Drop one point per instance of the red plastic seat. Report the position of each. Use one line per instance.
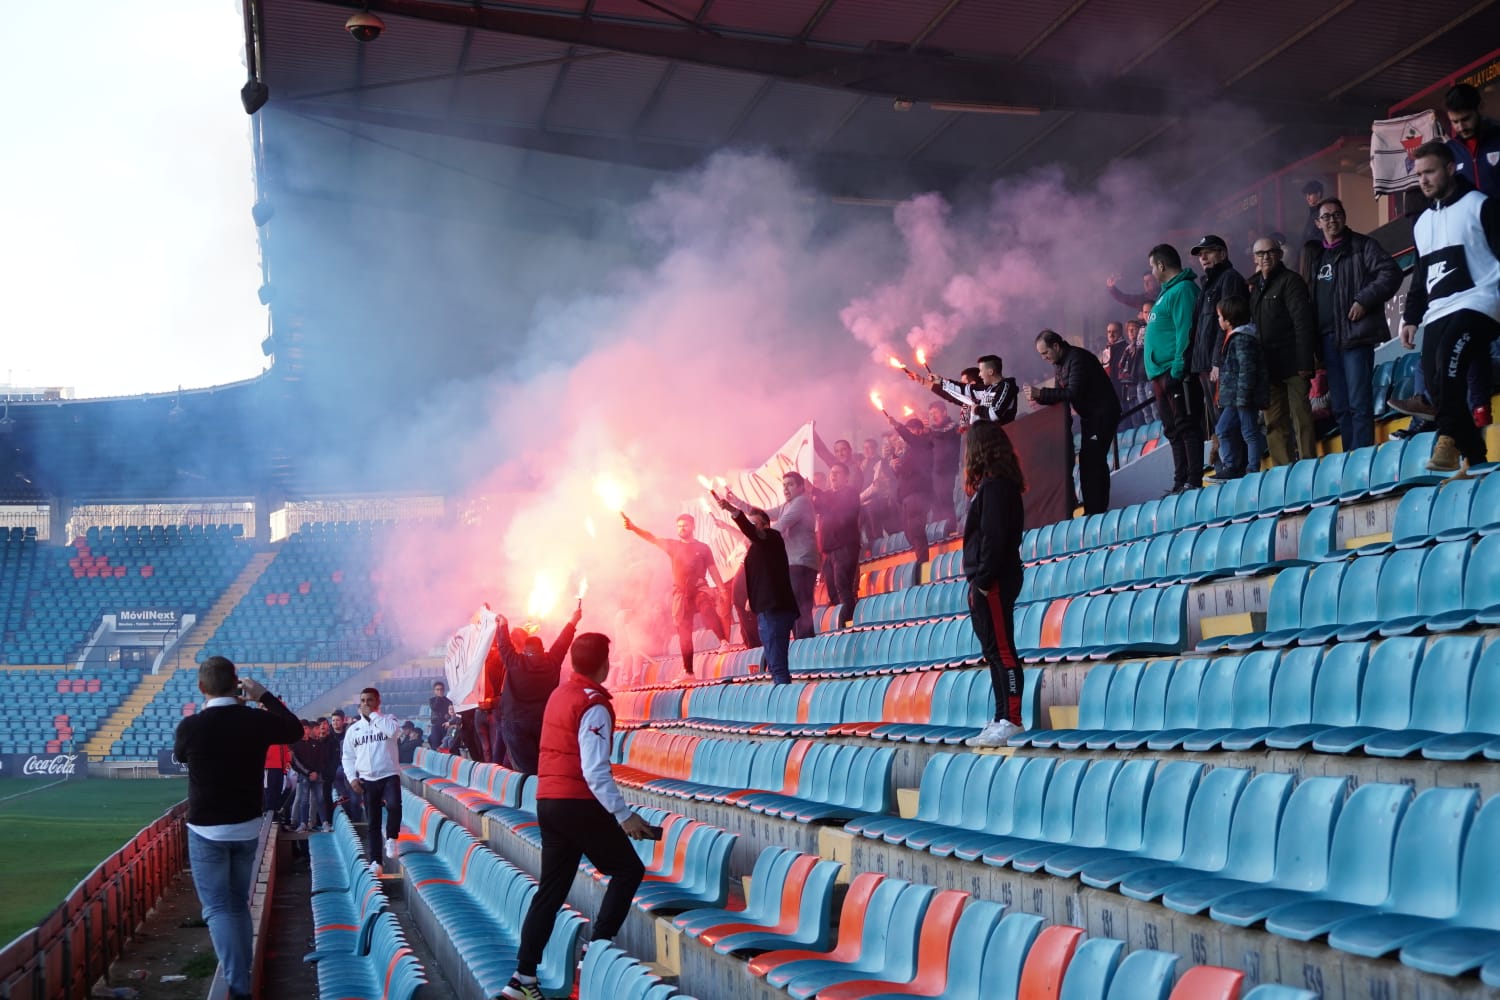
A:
(933, 944)
(1047, 961)
(851, 929)
(791, 906)
(1208, 982)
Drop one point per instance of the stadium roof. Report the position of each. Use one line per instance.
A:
(867, 91)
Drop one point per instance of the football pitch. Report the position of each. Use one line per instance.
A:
(54, 836)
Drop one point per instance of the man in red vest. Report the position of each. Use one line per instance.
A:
(580, 811)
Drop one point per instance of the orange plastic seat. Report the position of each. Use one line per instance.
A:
(1209, 982)
(1042, 975)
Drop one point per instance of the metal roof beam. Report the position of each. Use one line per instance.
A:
(918, 76)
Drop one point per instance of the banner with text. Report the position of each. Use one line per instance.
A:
(145, 620)
(44, 766)
(167, 763)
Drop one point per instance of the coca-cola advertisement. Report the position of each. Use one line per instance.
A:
(44, 766)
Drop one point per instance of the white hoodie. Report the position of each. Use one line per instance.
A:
(370, 750)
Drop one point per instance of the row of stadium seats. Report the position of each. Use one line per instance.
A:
(43, 704)
(1339, 477)
(1377, 868)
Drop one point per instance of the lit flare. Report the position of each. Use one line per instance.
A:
(875, 401)
(907, 411)
(896, 362)
(922, 356)
(588, 525)
(583, 587)
(545, 590)
(705, 482)
(611, 491)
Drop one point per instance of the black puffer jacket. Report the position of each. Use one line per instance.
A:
(1219, 283)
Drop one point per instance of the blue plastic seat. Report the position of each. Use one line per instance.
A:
(1303, 840)
(1092, 970)
(1283, 611)
(1015, 806)
(1216, 704)
(985, 954)
(1423, 884)
(1385, 697)
(1366, 613)
(1200, 843)
(887, 945)
(1144, 975)
(1137, 696)
(1472, 935)
(1244, 848)
(1276, 991)
(1065, 803)
(1184, 703)
(1335, 697)
(1359, 860)
(1147, 817)
(994, 802)
(1118, 826)
(1439, 587)
(1480, 603)
(1447, 668)
(1481, 725)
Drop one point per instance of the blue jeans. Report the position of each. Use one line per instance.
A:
(307, 807)
(1350, 372)
(222, 872)
(776, 639)
(1239, 431)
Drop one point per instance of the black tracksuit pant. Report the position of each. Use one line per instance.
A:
(1181, 405)
(993, 617)
(1450, 345)
(573, 829)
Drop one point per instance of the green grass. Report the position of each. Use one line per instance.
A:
(55, 836)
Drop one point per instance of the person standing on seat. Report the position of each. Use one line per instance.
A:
(442, 709)
(691, 560)
(224, 748)
(580, 811)
(769, 582)
(992, 565)
(1455, 296)
(838, 540)
(993, 397)
(1352, 280)
(914, 486)
(797, 522)
(372, 760)
(531, 675)
(1082, 382)
(1168, 338)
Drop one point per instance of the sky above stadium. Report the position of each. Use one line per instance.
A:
(129, 256)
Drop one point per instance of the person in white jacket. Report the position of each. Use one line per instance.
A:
(372, 765)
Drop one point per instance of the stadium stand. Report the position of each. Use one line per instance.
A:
(1254, 780)
(49, 710)
(315, 602)
(54, 596)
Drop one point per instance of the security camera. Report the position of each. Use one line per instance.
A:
(364, 26)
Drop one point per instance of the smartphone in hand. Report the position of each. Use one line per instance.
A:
(653, 833)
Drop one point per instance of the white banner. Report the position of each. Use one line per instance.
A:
(463, 662)
(760, 487)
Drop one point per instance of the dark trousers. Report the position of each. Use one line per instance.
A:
(914, 510)
(684, 607)
(1450, 345)
(573, 829)
(993, 617)
(523, 743)
(804, 583)
(942, 498)
(776, 627)
(382, 795)
(1093, 464)
(436, 735)
(841, 576)
(468, 730)
(1181, 406)
(739, 596)
(273, 786)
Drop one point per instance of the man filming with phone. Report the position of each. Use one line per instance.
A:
(224, 747)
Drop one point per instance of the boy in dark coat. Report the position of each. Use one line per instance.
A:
(1243, 391)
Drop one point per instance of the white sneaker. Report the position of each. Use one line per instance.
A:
(996, 734)
(390, 848)
(375, 869)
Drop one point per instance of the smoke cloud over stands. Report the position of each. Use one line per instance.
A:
(732, 326)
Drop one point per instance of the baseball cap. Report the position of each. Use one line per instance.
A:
(1209, 242)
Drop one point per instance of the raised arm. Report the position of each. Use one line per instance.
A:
(638, 531)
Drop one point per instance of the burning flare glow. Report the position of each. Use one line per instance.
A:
(922, 356)
(588, 525)
(875, 400)
(895, 362)
(705, 482)
(545, 590)
(583, 587)
(907, 411)
(611, 491)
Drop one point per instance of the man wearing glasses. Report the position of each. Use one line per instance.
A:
(1352, 279)
(1283, 314)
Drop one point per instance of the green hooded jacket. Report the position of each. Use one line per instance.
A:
(1169, 333)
